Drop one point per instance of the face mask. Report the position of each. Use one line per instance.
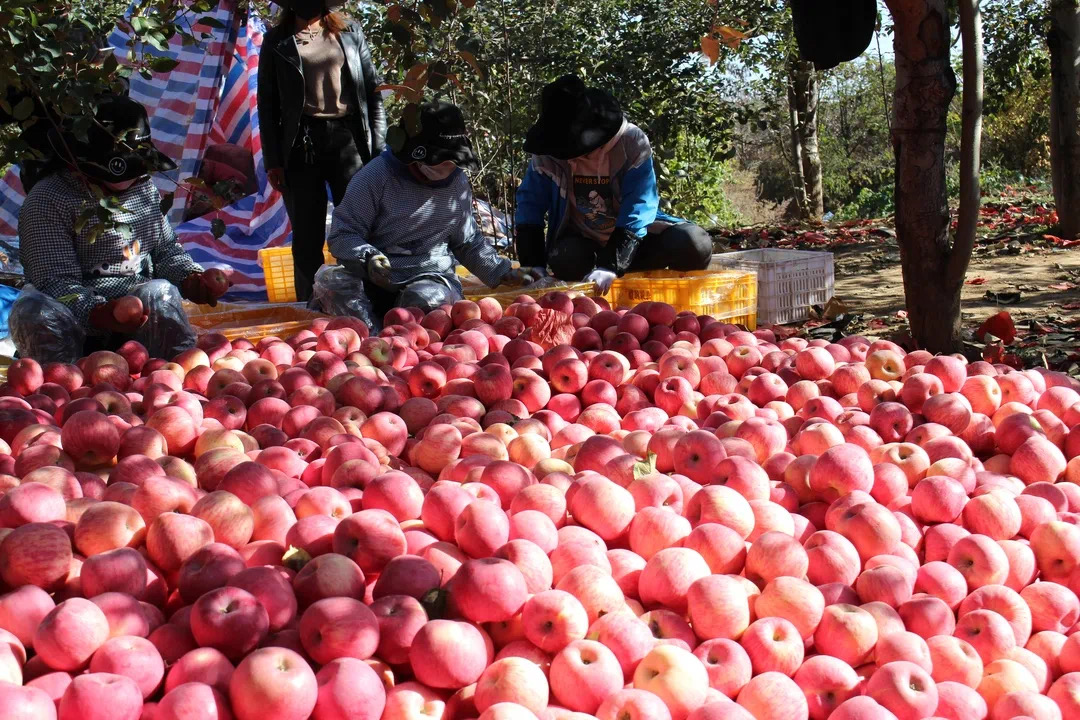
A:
(121, 186)
(438, 172)
(308, 9)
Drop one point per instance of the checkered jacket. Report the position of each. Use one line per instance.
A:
(424, 230)
(60, 260)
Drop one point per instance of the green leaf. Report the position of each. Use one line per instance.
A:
(211, 21)
(646, 467)
(217, 228)
(434, 602)
(95, 233)
(23, 109)
(295, 558)
(163, 64)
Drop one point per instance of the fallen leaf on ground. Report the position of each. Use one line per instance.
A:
(976, 281)
(1000, 326)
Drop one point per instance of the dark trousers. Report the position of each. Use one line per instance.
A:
(426, 293)
(325, 154)
(682, 247)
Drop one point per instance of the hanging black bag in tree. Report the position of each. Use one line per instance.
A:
(830, 32)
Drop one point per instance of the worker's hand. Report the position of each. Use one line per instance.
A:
(378, 270)
(123, 315)
(204, 288)
(276, 177)
(523, 276)
(602, 278)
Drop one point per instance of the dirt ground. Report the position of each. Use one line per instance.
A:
(869, 280)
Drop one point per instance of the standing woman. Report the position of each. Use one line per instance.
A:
(321, 118)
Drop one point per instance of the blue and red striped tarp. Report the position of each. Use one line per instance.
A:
(209, 98)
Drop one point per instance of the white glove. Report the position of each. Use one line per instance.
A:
(378, 269)
(602, 279)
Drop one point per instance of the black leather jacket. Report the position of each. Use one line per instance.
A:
(281, 94)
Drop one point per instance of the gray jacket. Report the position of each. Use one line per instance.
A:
(281, 94)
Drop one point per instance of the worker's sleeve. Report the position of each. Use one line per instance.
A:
(171, 261)
(350, 231)
(472, 249)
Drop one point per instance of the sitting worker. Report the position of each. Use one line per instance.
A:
(86, 266)
(591, 180)
(406, 220)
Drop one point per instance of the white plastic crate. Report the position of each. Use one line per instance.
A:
(789, 281)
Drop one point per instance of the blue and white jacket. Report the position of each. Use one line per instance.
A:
(543, 198)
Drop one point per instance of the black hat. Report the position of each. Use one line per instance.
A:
(574, 120)
(441, 136)
(118, 146)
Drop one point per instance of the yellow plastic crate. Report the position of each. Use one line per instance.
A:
(507, 294)
(236, 320)
(277, 265)
(729, 295)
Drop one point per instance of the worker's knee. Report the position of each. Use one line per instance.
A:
(690, 246)
(427, 295)
(572, 257)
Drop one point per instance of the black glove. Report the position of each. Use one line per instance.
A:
(619, 252)
(531, 246)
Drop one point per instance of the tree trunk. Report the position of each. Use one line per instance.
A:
(806, 98)
(797, 162)
(925, 85)
(971, 139)
(1064, 42)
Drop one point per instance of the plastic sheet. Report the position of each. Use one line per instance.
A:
(428, 294)
(339, 292)
(45, 329)
(167, 331)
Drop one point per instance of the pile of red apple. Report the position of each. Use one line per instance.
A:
(668, 518)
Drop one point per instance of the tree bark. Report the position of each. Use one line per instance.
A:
(925, 85)
(806, 98)
(970, 142)
(1064, 42)
(799, 181)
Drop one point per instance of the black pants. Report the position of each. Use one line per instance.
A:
(332, 158)
(682, 247)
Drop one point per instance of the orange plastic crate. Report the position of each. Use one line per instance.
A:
(277, 265)
(728, 295)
